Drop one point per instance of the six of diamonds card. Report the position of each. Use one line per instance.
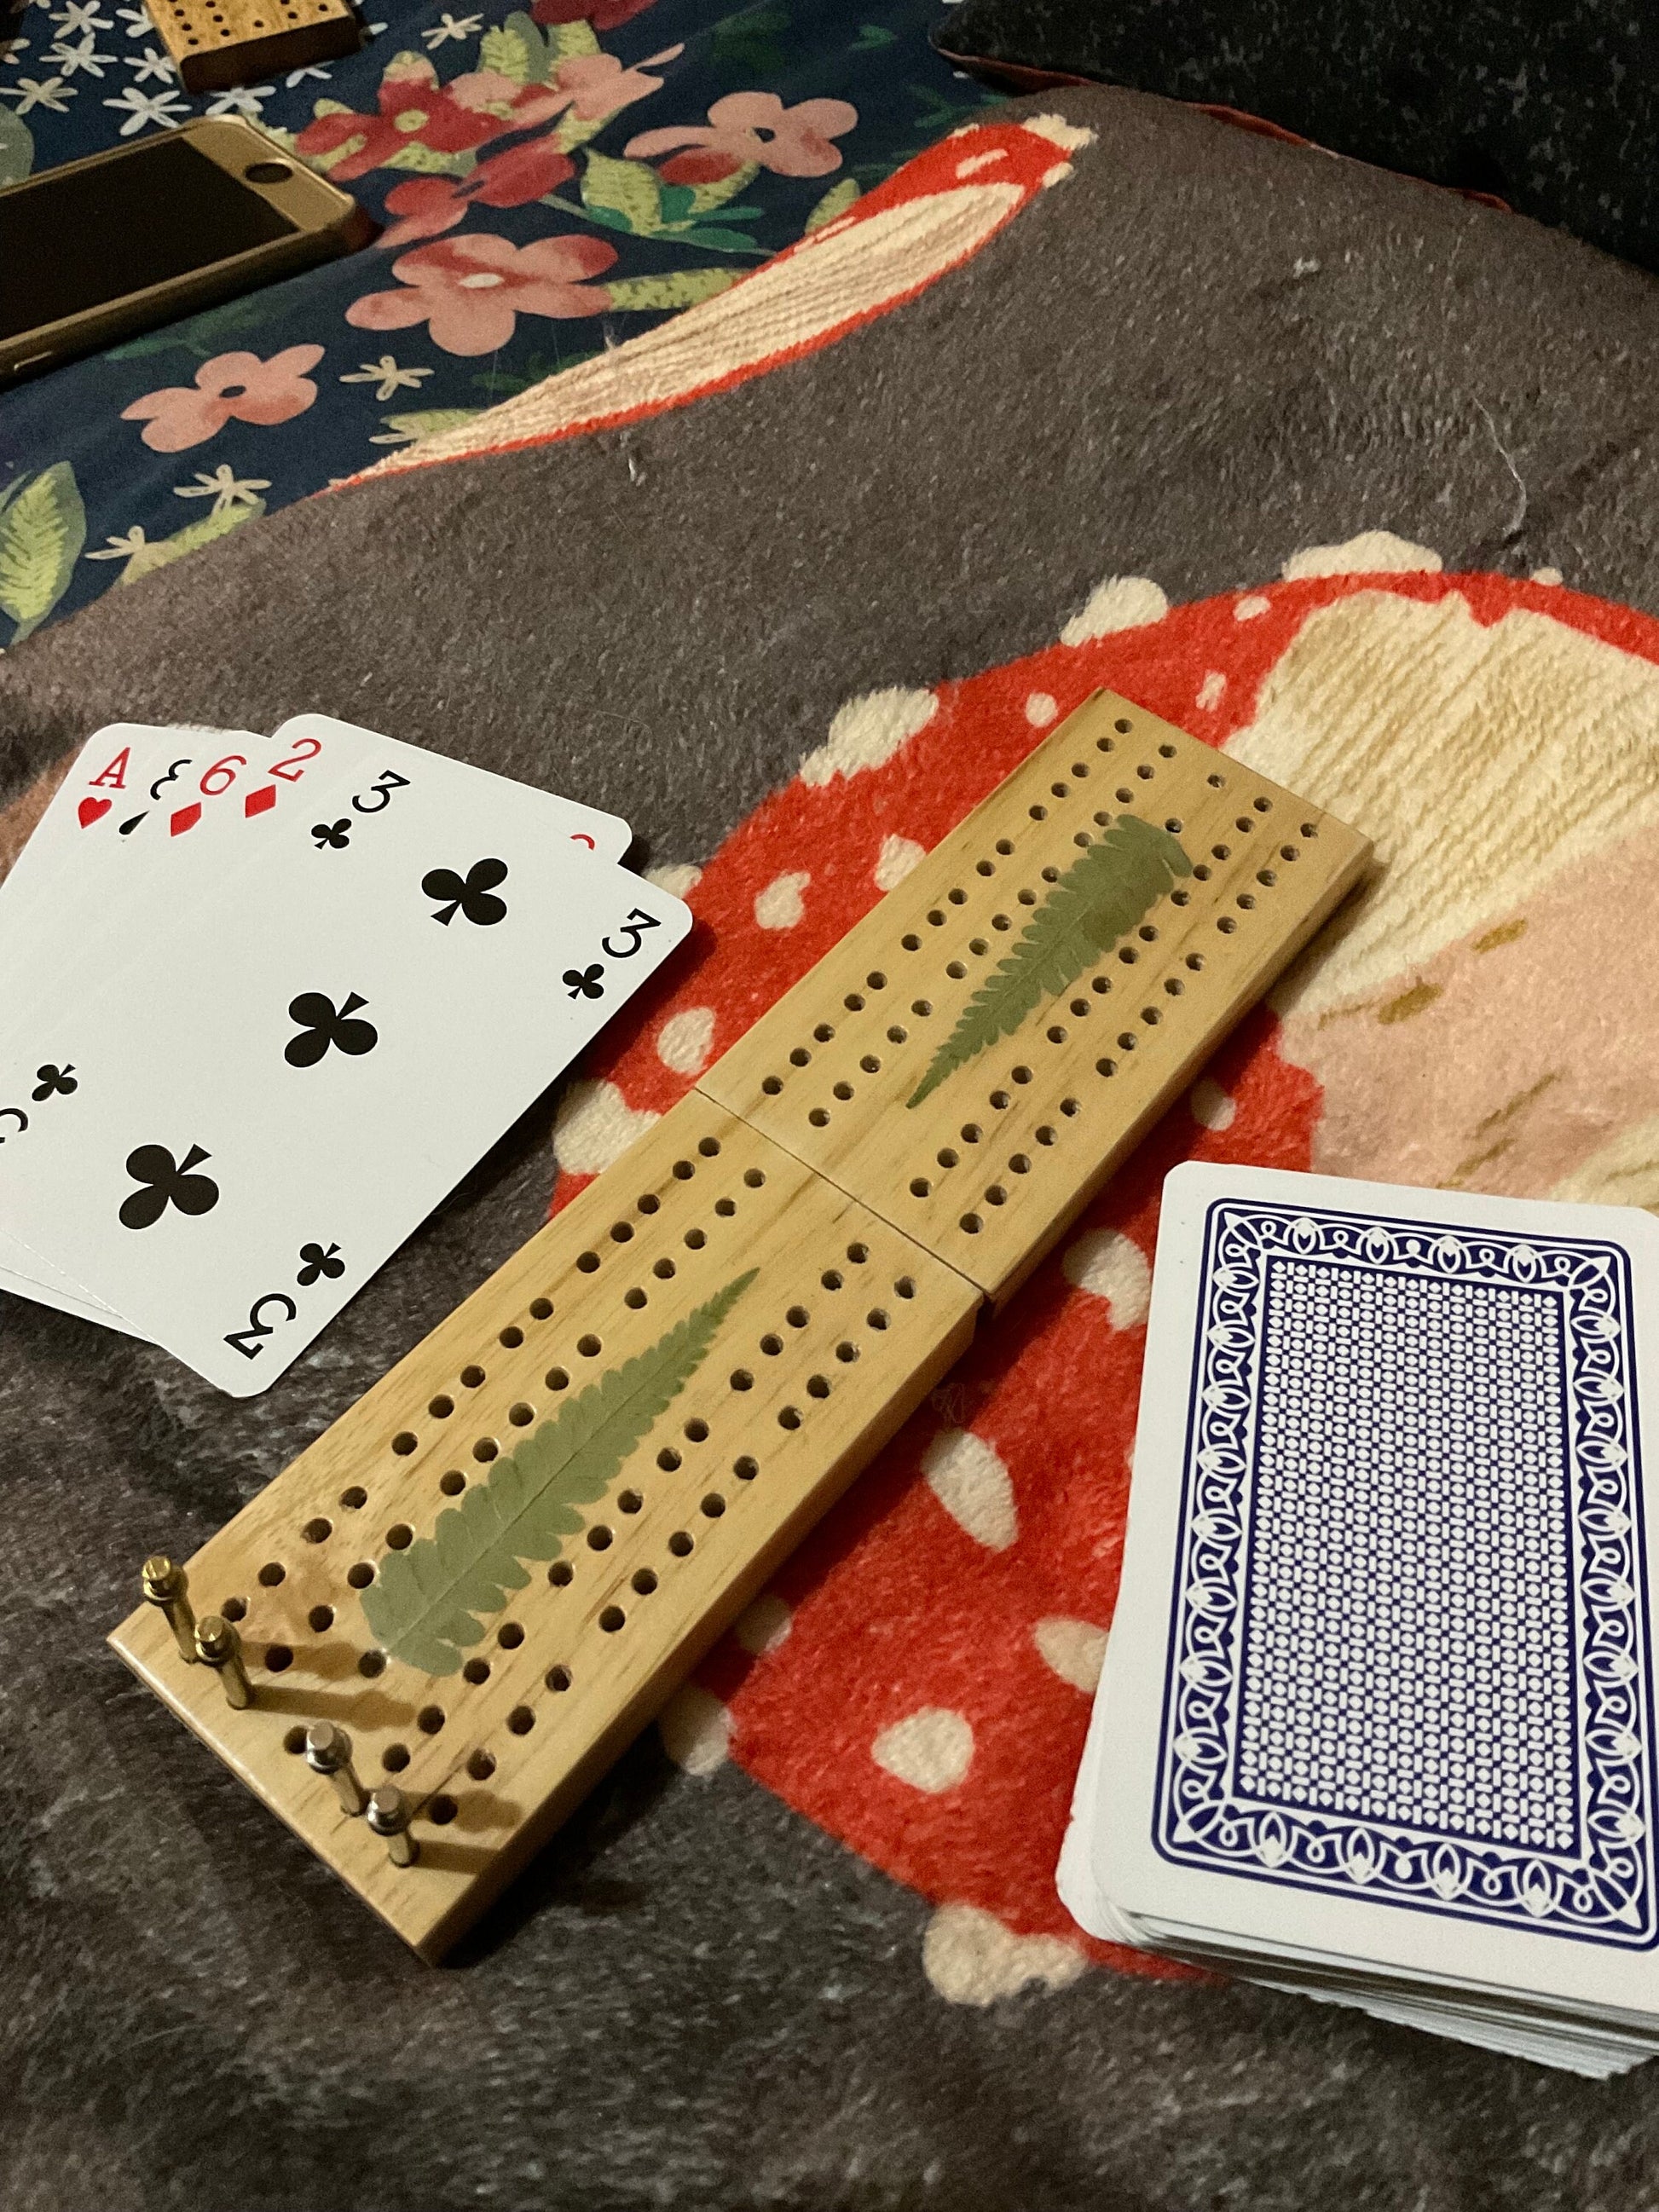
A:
(339, 970)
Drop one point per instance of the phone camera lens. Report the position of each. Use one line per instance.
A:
(268, 173)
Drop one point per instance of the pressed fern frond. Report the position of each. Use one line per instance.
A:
(426, 1603)
(1095, 902)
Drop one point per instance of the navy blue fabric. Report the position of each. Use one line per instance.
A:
(83, 486)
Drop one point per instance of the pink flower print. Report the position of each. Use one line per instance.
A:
(232, 386)
(603, 14)
(469, 291)
(598, 85)
(426, 205)
(754, 127)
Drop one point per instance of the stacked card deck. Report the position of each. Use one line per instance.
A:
(1376, 1718)
(266, 1000)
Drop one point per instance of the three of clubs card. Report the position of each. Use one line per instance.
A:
(1376, 1720)
(320, 974)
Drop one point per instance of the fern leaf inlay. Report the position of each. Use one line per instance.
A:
(1097, 901)
(428, 1603)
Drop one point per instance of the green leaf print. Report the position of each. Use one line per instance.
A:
(16, 148)
(836, 202)
(43, 526)
(158, 552)
(630, 189)
(516, 49)
(1098, 900)
(428, 1602)
(682, 291)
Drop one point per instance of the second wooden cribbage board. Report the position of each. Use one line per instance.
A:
(495, 1568)
(218, 43)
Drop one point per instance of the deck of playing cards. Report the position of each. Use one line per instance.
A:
(310, 979)
(1377, 1719)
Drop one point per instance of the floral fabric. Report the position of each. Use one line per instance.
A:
(553, 179)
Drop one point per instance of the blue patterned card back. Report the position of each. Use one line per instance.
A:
(1409, 1648)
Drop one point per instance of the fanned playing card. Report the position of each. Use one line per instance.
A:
(1377, 1711)
(284, 1026)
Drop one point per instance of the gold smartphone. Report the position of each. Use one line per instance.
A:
(126, 240)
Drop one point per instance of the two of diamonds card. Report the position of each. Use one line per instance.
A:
(1377, 1716)
(315, 977)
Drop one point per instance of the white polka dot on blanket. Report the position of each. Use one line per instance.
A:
(779, 905)
(684, 1041)
(867, 732)
(679, 879)
(1120, 603)
(1211, 1107)
(594, 1127)
(969, 1480)
(762, 1625)
(931, 1750)
(898, 856)
(696, 1730)
(1040, 709)
(1211, 690)
(1073, 1649)
(970, 1958)
(1110, 1265)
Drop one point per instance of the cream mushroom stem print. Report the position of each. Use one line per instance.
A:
(495, 1568)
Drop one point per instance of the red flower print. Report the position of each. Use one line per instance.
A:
(755, 126)
(469, 291)
(415, 109)
(426, 205)
(237, 386)
(603, 14)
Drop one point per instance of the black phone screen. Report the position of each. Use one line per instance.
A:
(73, 242)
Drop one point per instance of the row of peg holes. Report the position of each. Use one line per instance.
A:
(599, 1536)
(1020, 1164)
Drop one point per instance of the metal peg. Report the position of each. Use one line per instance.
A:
(328, 1752)
(389, 1815)
(217, 1644)
(165, 1586)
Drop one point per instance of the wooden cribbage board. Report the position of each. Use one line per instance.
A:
(877, 1230)
(218, 43)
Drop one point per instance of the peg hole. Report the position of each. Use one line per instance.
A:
(742, 1379)
(399, 1536)
(481, 1766)
(745, 1468)
(520, 1720)
(271, 1573)
(320, 1619)
(509, 1636)
(643, 1581)
(561, 1573)
(753, 1178)
(440, 1409)
(919, 1187)
(598, 1537)
(819, 1117)
(294, 1740)
(847, 1353)
(486, 1449)
(771, 1345)
(896, 1035)
(681, 1545)
(858, 1254)
(557, 1678)
(440, 1810)
(395, 1757)
(789, 1417)
(371, 1664)
(971, 1133)
(628, 1501)
(589, 1346)
(843, 1091)
(278, 1658)
(1069, 1107)
(870, 1064)
(831, 1279)
(876, 1318)
(1045, 1135)
(318, 1531)
(683, 1170)
(587, 1262)
(971, 1224)
(696, 1432)
(541, 1308)
(946, 1157)
(360, 1576)
(353, 1497)
(557, 1379)
(771, 1084)
(472, 1376)
(612, 1618)
(404, 1443)
(668, 1459)
(713, 1506)
(522, 1415)
(429, 1719)
(475, 1671)
(633, 1299)
(818, 1386)
(233, 1609)
(694, 1240)
(853, 1002)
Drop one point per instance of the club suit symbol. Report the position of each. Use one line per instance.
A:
(50, 1081)
(472, 897)
(165, 1182)
(584, 983)
(316, 1263)
(323, 1025)
(332, 836)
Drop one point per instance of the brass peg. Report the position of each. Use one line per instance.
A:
(217, 1644)
(165, 1586)
(328, 1752)
(389, 1815)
